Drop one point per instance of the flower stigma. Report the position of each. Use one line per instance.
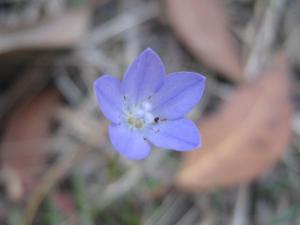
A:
(139, 116)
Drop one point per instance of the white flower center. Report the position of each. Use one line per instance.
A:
(138, 116)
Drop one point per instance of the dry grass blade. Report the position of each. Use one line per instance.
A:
(246, 137)
(203, 27)
(53, 175)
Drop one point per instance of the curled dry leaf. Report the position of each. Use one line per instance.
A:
(245, 137)
(22, 148)
(204, 27)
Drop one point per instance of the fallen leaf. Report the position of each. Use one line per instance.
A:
(63, 31)
(244, 138)
(204, 27)
(22, 148)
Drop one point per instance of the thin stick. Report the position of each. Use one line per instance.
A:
(56, 172)
(240, 216)
(122, 23)
(265, 38)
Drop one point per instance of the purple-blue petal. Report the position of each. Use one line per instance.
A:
(180, 92)
(180, 135)
(128, 143)
(109, 97)
(144, 76)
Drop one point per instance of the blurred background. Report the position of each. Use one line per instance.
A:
(57, 166)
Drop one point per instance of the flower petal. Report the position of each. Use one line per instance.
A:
(180, 135)
(179, 94)
(144, 76)
(128, 143)
(109, 97)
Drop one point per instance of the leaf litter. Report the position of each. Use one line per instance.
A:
(241, 140)
(246, 136)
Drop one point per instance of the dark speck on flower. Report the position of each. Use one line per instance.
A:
(148, 107)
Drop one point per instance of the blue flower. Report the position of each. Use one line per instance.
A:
(147, 107)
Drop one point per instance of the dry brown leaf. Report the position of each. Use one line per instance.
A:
(203, 27)
(63, 31)
(245, 137)
(22, 148)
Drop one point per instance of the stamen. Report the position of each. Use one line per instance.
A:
(139, 116)
(137, 123)
(146, 106)
(149, 117)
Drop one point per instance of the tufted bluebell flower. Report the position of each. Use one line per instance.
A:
(148, 107)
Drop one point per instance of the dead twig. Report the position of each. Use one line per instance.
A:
(55, 173)
(261, 50)
(124, 22)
